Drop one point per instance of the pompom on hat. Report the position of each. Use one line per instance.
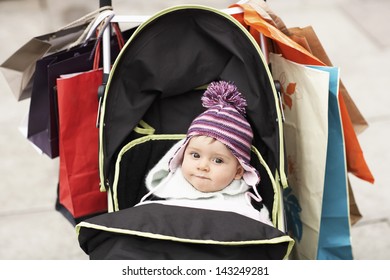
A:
(224, 120)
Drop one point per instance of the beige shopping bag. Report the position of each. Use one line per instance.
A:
(19, 68)
(307, 38)
(305, 93)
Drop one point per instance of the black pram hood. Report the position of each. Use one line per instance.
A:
(170, 55)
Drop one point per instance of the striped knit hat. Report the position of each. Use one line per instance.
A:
(224, 120)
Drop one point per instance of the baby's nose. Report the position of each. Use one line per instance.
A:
(203, 165)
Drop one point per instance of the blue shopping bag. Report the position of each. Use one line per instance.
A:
(334, 236)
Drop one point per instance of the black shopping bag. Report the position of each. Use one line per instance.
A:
(43, 114)
(42, 120)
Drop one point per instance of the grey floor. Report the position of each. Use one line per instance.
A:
(355, 35)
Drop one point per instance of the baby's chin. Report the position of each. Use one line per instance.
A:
(206, 188)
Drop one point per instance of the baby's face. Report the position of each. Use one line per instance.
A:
(208, 165)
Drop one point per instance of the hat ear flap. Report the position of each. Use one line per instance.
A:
(177, 157)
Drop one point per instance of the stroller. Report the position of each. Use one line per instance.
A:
(152, 96)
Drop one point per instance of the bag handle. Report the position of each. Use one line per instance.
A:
(96, 49)
(103, 18)
(121, 43)
(88, 18)
(93, 20)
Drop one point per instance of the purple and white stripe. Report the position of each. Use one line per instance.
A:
(228, 127)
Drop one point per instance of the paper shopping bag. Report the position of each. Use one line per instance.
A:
(305, 101)
(79, 194)
(307, 36)
(79, 191)
(43, 120)
(293, 51)
(315, 151)
(19, 68)
(334, 236)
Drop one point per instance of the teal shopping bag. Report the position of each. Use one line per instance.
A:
(334, 236)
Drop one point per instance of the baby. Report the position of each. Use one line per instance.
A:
(210, 168)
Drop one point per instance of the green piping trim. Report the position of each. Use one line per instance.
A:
(130, 145)
(275, 208)
(277, 195)
(276, 240)
(204, 87)
(144, 128)
(281, 222)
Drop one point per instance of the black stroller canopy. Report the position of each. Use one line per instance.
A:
(171, 55)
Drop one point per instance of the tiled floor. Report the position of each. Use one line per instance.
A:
(352, 32)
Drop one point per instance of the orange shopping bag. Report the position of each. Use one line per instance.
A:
(250, 18)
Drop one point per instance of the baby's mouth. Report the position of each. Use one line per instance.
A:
(201, 177)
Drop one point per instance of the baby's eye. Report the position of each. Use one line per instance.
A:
(195, 155)
(218, 160)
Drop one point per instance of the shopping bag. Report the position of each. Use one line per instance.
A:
(293, 51)
(19, 68)
(79, 192)
(316, 160)
(334, 236)
(305, 101)
(307, 37)
(43, 122)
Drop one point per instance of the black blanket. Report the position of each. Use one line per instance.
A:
(157, 231)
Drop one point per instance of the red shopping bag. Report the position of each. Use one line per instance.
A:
(79, 191)
(79, 194)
